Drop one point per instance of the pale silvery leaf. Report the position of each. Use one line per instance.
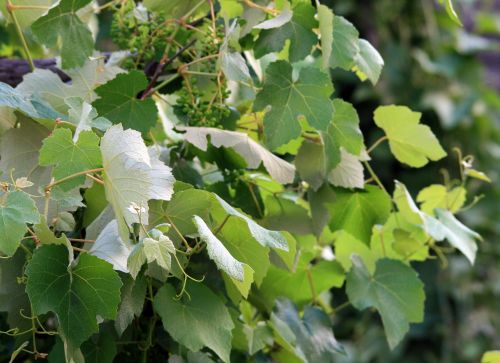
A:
(84, 116)
(110, 247)
(234, 66)
(349, 172)
(457, 234)
(250, 150)
(265, 237)
(132, 174)
(218, 252)
(283, 17)
(48, 86)
(151, 250)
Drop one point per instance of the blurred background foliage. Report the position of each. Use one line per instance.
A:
(452, 75)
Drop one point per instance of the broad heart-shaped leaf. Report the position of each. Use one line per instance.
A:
(61, 22)
(368, 62)
(459, 235)
(16, 209)
(344, 129)
(218, 253)
(250, 150)
(437, 196)
(110, 247)
(132, 175)
(70, 158)
(309, 96)
(345, 45)
(77, 293)
(29, 105)
(118, 102)
(202, 321)
(394, 290)
(313, 336)
(356, 212)
(410, 142)
(299, 31)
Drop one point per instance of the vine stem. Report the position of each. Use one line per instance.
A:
(376, 178)
(57, 182)
(10, 9)
(179, 233)
(377, 143)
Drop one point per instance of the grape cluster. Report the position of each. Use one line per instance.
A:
(198, 107)
(145, 40)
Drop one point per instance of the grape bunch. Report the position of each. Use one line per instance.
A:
(200, 105)
(146, 40)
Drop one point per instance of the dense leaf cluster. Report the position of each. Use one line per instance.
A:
(199, 196)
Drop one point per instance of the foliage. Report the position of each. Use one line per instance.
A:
(193, 188)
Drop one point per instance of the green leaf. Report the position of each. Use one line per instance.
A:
(410, 142)
(349, 173)
(368, 62)
(344, 128)
(77, 294)
(325, 19)
(62, 23)
(100, 348)
(313, 334)
(309, 96)
(450, 10)
(191, 321)
(70, 158)
(298, 31)
(491, 357)
(296, 285)
(16, 209)
(345, 46)
(311, 163)
(356, 212)
(437, 196)
(346, 246)
(230, 8)
(151, 250)
(27, 16)
(133, 294)
(394, 290)
(118, 102)
(132, 176)
(459, 235)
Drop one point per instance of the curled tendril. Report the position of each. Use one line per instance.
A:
(184, 281)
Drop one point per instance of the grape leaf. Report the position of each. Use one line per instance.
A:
(345, 45)
(308, 97)
(132, 176)
(77, 294)
(110, 247)
(299, 31)
(191, 321)
(70, 158)
(28, 15)
(459, 235)
(325, 20)
(348, 173)
(151, 250)
(492, 356)
(118, 102)
(133, 294)
(437, 196)
(394, 290)
(29, 105)
(313, 334)
(62, 22)
(368, 62)
(250, 150)
(410, 142)
(218, 252)
(356, 212)
(16, 209)
(346, 245)
(281, 19)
